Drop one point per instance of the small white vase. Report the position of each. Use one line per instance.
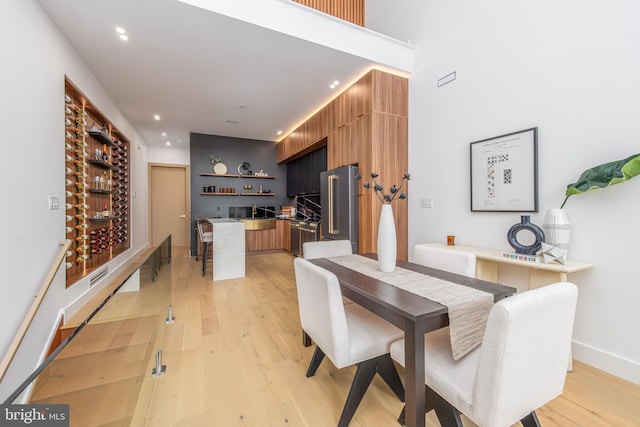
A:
(387, 245)
(557, 228)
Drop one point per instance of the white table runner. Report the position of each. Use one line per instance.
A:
(468, 307)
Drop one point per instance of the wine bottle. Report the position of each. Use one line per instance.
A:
(68, 122)
(82, 195)
(69, 253)
(81, 154)
(68, 193)
(81, 238)
(68, 229)
(81, 216)
(68, 171)
(81, 226)
(82, 248)
(81, 206)
(82, 258)
(68, 206)
(80, 185)
(68, 158)
(80, 174)
(68, 265)
(81, 163)
(68, 218)
(96, 251)
(68, 146)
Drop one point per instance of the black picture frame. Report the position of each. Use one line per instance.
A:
(504, 172)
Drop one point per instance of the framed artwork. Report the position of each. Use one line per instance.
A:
(504, 173)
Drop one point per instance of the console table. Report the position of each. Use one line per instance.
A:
(540, 274)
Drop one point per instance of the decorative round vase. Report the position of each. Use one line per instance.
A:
(220, 168)
(557, 228)
(525, 224)
(387, 245)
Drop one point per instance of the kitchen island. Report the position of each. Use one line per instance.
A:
(228, 248)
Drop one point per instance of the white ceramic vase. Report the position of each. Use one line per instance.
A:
(557, 228)
(387, 244)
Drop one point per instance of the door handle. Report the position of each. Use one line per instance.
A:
(182, 216)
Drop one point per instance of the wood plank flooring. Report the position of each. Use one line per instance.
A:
(234, 358)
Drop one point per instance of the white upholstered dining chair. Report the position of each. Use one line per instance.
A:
(445, 259)
(520, 365)
(326, 248)
(347, 335)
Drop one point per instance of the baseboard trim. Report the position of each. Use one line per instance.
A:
(611, 363)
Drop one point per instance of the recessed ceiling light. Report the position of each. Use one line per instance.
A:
(336, 83)
(156, 117)
(279, 132)
(120, 30)
(168, 143)
(124, 37)
(164, 134)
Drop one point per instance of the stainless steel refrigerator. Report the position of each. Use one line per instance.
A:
(339, 200)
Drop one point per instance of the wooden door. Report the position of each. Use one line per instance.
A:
(169, 203)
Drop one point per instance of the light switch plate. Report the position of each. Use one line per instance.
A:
(426, 202)
(54, 203)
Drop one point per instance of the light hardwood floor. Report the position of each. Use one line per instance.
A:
(234, 358)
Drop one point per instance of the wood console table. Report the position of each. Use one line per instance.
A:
(540, 274)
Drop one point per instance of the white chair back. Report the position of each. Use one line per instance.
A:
(445, 259)
(321, 309)
(523, 359)
(326, 248)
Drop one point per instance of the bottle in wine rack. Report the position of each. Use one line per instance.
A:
(68, 218)
(80, 184)
(68, 193)
(68, 265)
(96, 251)
(68, 171)
(81, 163)
(68, 146)
(81, 154)
(80, 174)
(81, 206)
(81, 216)
(69, 253)
(82, 248)
(82, 258)
(68, 206)
(68, 158)
(82, 238)
(81, 195)
(68, 229)
(68, 122)
(68, 182)
(81, 226)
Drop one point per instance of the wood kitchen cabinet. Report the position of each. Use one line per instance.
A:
(277, 238)
(367, 124)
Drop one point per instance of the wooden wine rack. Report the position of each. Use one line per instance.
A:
(97, 187)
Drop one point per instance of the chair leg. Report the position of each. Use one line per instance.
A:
(447, 414)
(316, 359)
(389, 373)
(364, 374)
(204, 259)
(530, 420)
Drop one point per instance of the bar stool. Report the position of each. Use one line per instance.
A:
(206, 239)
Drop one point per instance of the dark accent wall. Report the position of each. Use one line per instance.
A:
(233, 151)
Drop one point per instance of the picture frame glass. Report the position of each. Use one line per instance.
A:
(504, 173)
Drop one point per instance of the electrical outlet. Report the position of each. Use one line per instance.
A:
(54, 203)
(426, 202)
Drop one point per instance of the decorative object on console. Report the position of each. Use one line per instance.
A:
(604, 175)
(261, 173)
(387, 243)
(557, 228)
(552, 253)
(525, 224)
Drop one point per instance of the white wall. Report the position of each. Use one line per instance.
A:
(570, 68)
(177, 155)
(35, 60)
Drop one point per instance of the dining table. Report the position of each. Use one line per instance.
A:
(414, 314)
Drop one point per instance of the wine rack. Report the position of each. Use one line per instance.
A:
(97, 186)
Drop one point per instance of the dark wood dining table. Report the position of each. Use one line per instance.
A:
(414, 314)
